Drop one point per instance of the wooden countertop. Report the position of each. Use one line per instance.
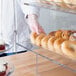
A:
(25, 65)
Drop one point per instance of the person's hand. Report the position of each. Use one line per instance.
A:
(34, 24)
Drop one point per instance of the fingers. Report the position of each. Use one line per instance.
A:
(41, 30)
(34, 29)
(37, 28)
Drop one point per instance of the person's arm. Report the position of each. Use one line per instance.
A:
(32, 14)
(34, 24)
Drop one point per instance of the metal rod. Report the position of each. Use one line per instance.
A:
(15, 24)
(1, 33)
(37, 74)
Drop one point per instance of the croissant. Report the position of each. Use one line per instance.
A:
(39, 38)
(44, 41)
(33, 37)
(57, 45)
(69, 48)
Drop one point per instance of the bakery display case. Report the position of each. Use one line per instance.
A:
(59, 22)
(50, 10)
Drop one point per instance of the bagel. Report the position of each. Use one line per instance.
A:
(52, 33)
(69, 48)
(58, 33)
(66, 34)
(44, 41)
(33, 37)
(39, 38)
(51, 42)
(57, 45)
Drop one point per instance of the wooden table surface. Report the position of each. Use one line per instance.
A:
(25, 65)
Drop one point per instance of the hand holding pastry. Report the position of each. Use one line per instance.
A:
(34, 24)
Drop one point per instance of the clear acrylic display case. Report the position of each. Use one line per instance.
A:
(53, 17)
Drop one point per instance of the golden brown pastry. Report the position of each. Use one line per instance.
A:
(52, 33)
(46, 1)
(69, 48)
(66, 34)
(58, 33)
(33, 37)
(51, 43)
(39, 38)
(44, 41)
(70, 4)
(57, 45)
(60, 3)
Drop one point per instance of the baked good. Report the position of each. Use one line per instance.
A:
(33, 37)
(58, 33)
(66, 34)
(60, 3)
(52, 33)
(69, 48)
(39, 38)
(70, 4)
(46, 1)
(51, 43)
(70, 1)
(2, 45)
(3, 69)
(44, 41)
(57, 45)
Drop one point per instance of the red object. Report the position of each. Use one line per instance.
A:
(4, 73)
(2, 47)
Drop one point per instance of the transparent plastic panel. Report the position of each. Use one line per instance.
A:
(47, 68)
(57, 59)
(53, 18)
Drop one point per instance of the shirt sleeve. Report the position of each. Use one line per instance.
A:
(29, 9)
